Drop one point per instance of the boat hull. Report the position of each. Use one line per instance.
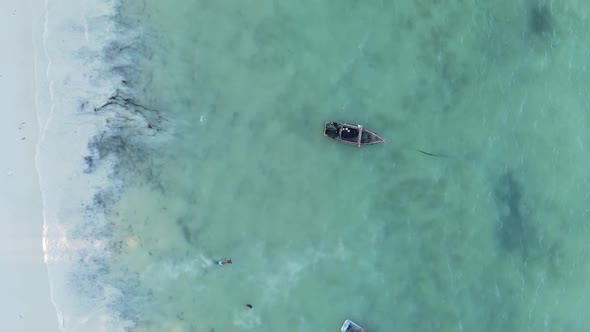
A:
(351, 134)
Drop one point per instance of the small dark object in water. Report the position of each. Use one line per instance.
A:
(186, 233)
(249, 305)
(431, 154)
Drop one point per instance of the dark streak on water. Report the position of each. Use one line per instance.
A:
(514, 229)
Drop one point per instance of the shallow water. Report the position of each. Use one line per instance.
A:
(488, 237)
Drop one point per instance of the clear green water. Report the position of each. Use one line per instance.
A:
(492, 237)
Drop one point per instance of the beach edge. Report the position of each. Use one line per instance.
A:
(26, 304)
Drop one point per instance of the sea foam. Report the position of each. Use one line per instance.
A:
(83, 54)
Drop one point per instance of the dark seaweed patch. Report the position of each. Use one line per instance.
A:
(131, 293)
(126, 120)
(131, 157)
(187, 233)
(131, 113)
(91, 269)
(90, 166)
(513, 228)
(99, 200)
(540, 20)
(126, 143)
(83, 105)
(112, 52)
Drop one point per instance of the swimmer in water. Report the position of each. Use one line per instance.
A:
(226, 261)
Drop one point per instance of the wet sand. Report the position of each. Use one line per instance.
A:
(25, 303)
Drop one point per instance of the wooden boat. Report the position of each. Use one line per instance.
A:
(350, 326)
(351, 134)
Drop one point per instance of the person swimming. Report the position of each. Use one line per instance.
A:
(225, 261)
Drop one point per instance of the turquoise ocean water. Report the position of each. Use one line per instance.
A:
(490, 236)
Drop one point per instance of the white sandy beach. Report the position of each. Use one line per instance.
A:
(25, 304)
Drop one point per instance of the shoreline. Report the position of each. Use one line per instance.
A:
(26, 304)
(83, 55)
